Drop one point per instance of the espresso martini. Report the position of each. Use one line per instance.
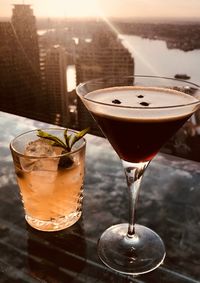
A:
(139, 120)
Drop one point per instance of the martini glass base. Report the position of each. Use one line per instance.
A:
(135, 255)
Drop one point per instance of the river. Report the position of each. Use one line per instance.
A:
(152, 57)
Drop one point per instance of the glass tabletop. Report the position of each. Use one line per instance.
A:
(169, 204)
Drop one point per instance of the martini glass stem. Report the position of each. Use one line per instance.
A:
(133, 173)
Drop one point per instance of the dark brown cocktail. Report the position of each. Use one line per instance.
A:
(138, 139)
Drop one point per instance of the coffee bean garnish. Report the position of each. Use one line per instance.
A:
(116, 101)
(144, 103)
(140, 96)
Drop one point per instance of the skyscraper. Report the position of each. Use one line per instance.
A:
(55, 65)
(103, 55)
(20, 84)
(24, 24)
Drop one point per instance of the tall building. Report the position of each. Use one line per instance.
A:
(55, 65)
(20, 84)
(57, 52)
(24, 24)
(103, 55)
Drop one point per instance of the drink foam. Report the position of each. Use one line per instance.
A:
(140, 102)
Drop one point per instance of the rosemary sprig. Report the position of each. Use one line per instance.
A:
(68, 140)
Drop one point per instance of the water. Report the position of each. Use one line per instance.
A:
(152, 57)
(43, 31)
(71, 77)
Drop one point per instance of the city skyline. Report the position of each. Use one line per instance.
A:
(47, 57)
(114, 8)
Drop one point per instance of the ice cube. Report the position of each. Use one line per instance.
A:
(27, 164)
(40, 148)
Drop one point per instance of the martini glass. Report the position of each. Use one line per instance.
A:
(137, 114)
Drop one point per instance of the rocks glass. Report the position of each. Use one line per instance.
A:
(50, 181)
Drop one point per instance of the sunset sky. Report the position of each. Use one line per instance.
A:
(108, 8)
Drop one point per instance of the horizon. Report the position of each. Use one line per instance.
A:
(125, 19)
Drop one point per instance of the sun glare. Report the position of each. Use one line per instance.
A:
(68, 8)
